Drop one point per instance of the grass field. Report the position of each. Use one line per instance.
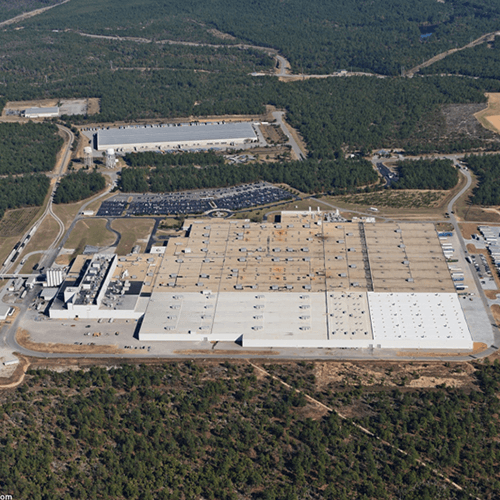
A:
(67, 212)
(134, 231)
(398, 199)
(89, 232)
(30, 262)
(16, 222)
(43, 238)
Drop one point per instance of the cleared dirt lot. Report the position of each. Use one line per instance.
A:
(24, 339)
(391, 374)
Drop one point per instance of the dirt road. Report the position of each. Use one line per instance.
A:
(27, 15)
(441, 56)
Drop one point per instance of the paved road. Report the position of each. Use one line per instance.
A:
(278, 115)
(453, 220)
(118, 234)
(283, 65)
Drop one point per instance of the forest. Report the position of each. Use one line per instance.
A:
(192, 430)
(481, 61)
(22, 191)
(148, 159)
(29, 147)
(487, 170)
(426, 174)
(149, 78)
(309, 176)
(319, 36)
(79, 185)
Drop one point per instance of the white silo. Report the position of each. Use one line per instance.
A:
(110, 158)
(87, 157)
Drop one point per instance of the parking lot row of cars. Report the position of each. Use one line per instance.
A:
(190, 202)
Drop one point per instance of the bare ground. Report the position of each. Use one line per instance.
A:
(468, 229)
(495, 310)
(338, 375)
(27, 15)
(228, 353)
(23, 338)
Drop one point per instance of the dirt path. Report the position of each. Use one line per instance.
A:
(441, 56)
(27, 15)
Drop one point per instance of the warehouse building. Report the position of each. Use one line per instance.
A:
(177, 136)
(41, 112)
(302, 282)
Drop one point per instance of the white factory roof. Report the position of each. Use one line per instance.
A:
(185, 132)
(319, 319)
(418, 321)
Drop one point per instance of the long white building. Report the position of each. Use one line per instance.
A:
(41, 112)
(176, 136)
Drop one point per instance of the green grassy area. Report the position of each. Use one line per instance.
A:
(133, 232)
(89, 232)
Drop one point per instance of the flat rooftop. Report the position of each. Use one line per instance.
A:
(175, 133)
(305, 282)
(39, 111)
(305, 255)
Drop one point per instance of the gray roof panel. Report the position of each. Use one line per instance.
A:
(160, 134)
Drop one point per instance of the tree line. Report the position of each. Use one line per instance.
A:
(487, 170)
(426, 174)
(28, 147)
(23, 191)
(309, 176)
(79, 185)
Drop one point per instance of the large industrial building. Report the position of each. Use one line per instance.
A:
(302, 282)
(105, 286)
(176, 136)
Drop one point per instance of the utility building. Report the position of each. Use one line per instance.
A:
(41, 112)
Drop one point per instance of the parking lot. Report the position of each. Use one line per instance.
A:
(113, 208)
(192, 202)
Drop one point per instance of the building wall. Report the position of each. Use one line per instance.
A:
(175, 144)
(93, 312)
